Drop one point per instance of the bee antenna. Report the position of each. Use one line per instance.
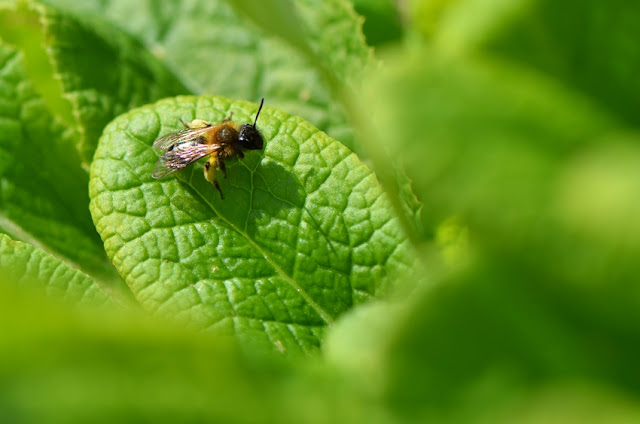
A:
(258, 112)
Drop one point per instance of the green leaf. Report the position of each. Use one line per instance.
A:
(85, 367)
(278, 17)
(215, 50)
(589, 46)
(381, 20)
(27, 265)
(543, 181)
(333, 34)
(478, 137)
(520, 160)
(58, 364)
(485, 342)
(102, 71)
(303, 234)
(43, 189)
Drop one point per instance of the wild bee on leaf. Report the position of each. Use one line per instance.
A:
(200, 139)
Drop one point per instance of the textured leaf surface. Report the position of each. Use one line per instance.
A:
(215, 50)
(102, 71)
(25, 264)
(43, 189)
(303, 234)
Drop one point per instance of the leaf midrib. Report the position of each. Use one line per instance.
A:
(323, 314)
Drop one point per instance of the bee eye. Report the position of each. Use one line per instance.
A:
(250, 138)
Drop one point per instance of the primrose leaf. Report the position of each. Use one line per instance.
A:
(533, 172)
(303, 234)
(43, 189)
(589, 46)
(102, 71)
(332, 33)
(484, 341)
(127, 368)
(215, 50)
(498, 167)
(25, 264)
(381, 20)
(62, 358)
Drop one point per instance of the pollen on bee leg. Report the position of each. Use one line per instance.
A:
(211, 173)
(196, 123)
(210, 169)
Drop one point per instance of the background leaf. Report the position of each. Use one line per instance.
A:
(120, 368)
(127, 368)
(303, 234)
(489, 345)
(522, 160)
(25, 264)
(594, 53)
(43, 193)
(382, 20)
(496, 167)
(215, 50)
(538, 173)
(102, 71)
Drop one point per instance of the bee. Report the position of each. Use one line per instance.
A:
(200, 139)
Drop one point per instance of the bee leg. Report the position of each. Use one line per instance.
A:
(210, 173)
(223, 167)
(215, 183)
(228, 118)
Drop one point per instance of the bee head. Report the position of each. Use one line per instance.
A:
(250, 138)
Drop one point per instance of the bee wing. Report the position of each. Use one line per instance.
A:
(178, 137)
(181, 156)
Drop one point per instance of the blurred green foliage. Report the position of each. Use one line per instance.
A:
(506, 137)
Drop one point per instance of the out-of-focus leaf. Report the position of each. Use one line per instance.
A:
(484, 343)
(62, 365)
(569, 402)
(277, 17)
(589, 45)
(541, 176)
(382, 20)
(477, 137)
(43, 189)
(102, 71)
(598, 193)
(537, 172)
(410, 206)
(215, 50)
(25, 264)
(303, 234)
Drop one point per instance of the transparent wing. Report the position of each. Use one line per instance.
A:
(181, 156)
(178, 137)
